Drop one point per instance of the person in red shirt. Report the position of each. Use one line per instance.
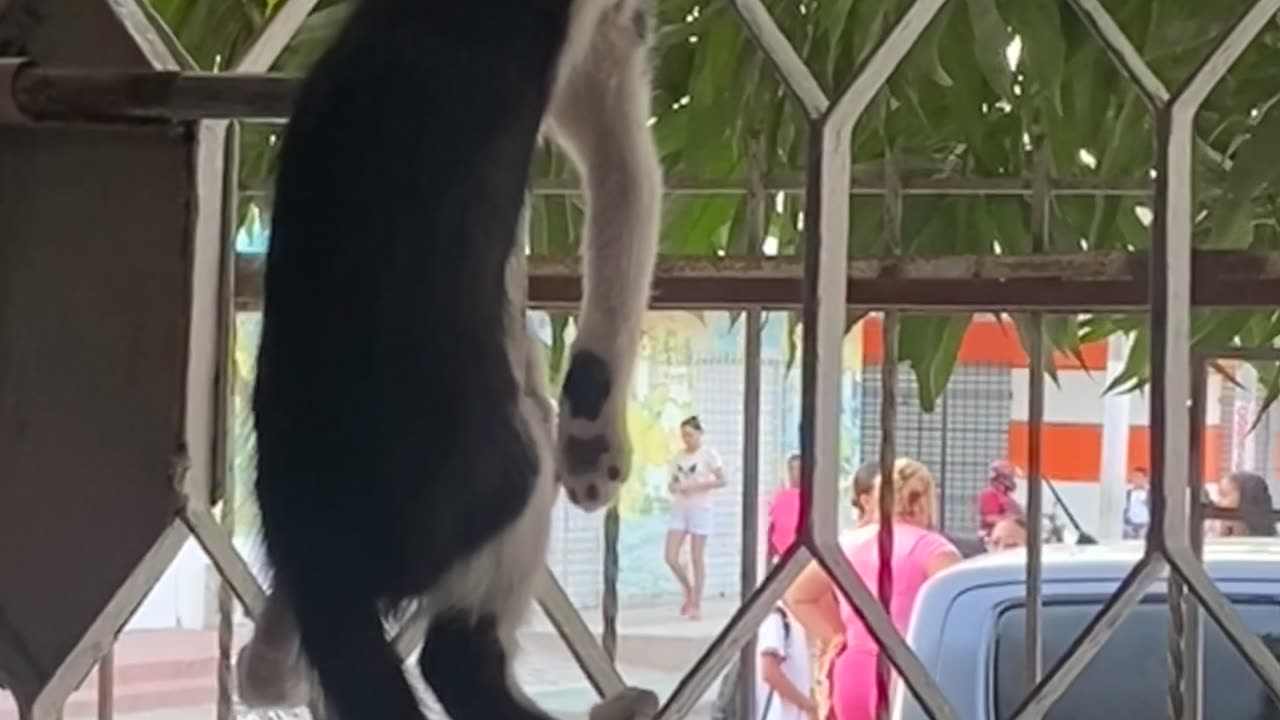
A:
(996, 501)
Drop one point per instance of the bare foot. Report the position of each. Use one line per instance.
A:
(686, 607)
(695, 612)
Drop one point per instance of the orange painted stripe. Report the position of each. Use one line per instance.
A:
(1073, 453)
(986, 342)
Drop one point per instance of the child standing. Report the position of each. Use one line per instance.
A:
(785, 674)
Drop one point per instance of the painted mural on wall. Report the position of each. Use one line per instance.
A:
(689, 363)
(693, 363)
(850, 409)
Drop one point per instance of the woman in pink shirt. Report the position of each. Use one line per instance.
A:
(784, 510)
(918, 554)
(784, 506)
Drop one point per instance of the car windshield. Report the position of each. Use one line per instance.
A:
(1129, 678)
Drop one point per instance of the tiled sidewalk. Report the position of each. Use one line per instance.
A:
(171, 674)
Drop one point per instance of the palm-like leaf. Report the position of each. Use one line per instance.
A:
(957, 104)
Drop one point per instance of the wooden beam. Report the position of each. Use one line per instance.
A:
(131, 96)
(1114, 281)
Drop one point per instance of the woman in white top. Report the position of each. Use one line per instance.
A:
(695, 472)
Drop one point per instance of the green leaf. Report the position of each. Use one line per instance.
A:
(930, 344)
(1063, 334)
(554, 226)
(1253, 169)
(925, 58)
(866, 227)
(313, 37)
(1269, 376)
(1098, 327)
(949, 109)
(1260, 330)
(835, 21)
(1026, 332)
(1010, 218)
(991, 38)
(1217, 330)
(792, 322)
(1039, 24)
(698, 224)
(1137, 366)
(555, 359)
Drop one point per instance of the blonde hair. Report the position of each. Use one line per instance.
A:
(913, 490)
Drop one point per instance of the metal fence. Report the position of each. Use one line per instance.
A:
(967, 430)
(43, 94)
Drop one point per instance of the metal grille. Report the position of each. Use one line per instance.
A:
(976, 420)
(1171, 544)
(717, 399)
(967, 430)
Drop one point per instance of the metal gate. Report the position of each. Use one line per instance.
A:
(1172, 544)
(958, 441)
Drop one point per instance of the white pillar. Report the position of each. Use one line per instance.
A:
(1244, 410)
(1113, 470)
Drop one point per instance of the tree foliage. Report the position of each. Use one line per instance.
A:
(989, 83)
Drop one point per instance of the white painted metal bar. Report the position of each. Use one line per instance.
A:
(1091, 639)
(107, 684)
(1265, 665)
(829, 188)
(1122, 50)
(182, 58)
(823, 318)
(826, 260)
(1171, 361)
(222, 478)
(138, 24)
(101, 633)
(1191, 645)
(1114, 460)
(740, 628)
(564, 618)
(578, 638)
(795, 74)
(275, 37)
(750, 554)
(1095, 635)
(890, 333)
(871, 77)
(1171, 333)
(1041, 208)
(230, 565)
(913, 672)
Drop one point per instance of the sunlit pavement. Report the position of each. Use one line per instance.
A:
(171, 674)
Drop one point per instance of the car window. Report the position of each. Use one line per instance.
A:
(1129, 678)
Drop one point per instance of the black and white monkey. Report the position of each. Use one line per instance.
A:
(406, 446)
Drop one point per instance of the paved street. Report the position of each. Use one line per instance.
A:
(171, 674)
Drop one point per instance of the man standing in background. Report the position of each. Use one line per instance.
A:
(1137, 505)
(996, 502)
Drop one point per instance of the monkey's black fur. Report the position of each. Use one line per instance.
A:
(389, 444)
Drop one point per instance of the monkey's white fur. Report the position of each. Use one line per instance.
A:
(599, 115)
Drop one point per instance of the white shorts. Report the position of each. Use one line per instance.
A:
(692, 520)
